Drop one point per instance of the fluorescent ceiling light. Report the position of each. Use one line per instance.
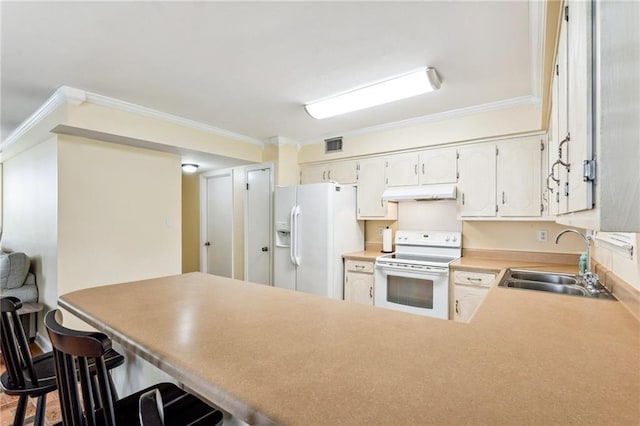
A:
(405, 86)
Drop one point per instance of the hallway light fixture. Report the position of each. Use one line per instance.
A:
(395, 89)
(189, 168)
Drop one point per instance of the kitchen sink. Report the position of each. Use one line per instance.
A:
(552, 282)
(544, 277)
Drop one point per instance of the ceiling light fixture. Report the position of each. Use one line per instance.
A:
(189, 168)
(405, 86)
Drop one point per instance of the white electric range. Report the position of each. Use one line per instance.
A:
(415, 278)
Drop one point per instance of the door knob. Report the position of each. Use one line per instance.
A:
(265, 249)
(207, 244)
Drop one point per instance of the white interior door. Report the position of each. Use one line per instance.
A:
(258, 246)
(219, 225)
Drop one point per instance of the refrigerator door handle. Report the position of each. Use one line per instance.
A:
(294, 236)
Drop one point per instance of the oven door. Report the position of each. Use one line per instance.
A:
(403, 288)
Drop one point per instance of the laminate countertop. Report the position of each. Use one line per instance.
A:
(269, 355)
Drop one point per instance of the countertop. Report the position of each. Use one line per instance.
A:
(269, 355)
(366, 255)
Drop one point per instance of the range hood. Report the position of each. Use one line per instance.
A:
(420, 193)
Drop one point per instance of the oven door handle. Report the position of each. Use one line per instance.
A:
(432, 271)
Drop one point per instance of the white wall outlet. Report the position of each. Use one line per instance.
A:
(542, 235)
(380, 229)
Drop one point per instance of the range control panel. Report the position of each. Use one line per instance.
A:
(429, 238)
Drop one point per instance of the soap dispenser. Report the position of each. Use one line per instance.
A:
(582, 264)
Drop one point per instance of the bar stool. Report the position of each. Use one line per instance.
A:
(73, 348)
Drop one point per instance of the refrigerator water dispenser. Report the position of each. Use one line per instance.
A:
(283, 234)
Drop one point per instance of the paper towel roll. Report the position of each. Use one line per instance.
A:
(386, 240)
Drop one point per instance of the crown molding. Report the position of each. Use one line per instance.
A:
(440, 116)
(106, 101)
(50, 105)
(77, 96)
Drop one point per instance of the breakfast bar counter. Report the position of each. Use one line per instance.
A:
(269, 355)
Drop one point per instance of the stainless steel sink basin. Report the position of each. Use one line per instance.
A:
(544, 277)
(553, 288)
(552, 282)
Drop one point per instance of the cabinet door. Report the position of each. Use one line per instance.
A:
(402, 170)
(358, 288)
(314, 173)
(477, 180)
(343, 172)
(552, 187)
(559, 172)
(467, 300)
(438, 166)
(580, 147)
(519, 180)
(370, 188)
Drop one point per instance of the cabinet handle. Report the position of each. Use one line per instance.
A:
(474, 279)
(463, 198)
(502, 197)
(329, 175)
(371, 292)
(423, 169)
(359, 266)
(381, 202)
(457, 310)
(415, 169)
(324, 175)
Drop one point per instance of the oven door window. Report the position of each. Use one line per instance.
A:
(417, 292)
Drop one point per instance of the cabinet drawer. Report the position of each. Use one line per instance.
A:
(473, 278)
(359, 266)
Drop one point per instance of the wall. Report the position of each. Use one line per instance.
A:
(627, 269)
(190, 223)
(30, 194)
(519, 119)
(119, 214)
(518, 236)
(111, 121)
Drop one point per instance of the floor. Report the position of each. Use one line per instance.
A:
(8, 403)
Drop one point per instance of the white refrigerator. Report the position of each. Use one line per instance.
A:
(315, 225)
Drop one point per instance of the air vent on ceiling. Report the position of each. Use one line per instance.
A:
(333, 145)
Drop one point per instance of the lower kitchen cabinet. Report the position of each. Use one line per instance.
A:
(358, 281)
(469, 291)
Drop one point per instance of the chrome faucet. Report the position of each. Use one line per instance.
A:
(590, 279)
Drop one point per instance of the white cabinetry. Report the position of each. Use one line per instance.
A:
(358, 282)
(501, 179)
(401, 169)
(313, 173)
(343, 172)
(469, 290)
(371, 185)
(519, 176)
(438, 166)
(572, 138)
(477, 180)
(600, 37)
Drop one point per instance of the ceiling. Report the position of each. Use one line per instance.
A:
(248, 67)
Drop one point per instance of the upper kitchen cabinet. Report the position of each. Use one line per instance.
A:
(371, 185)
(438, 166)
(601, 191)
(343, 172)
(519, 181)
(501, 179)
(401, 169)
(477, 180)
(571, 159)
